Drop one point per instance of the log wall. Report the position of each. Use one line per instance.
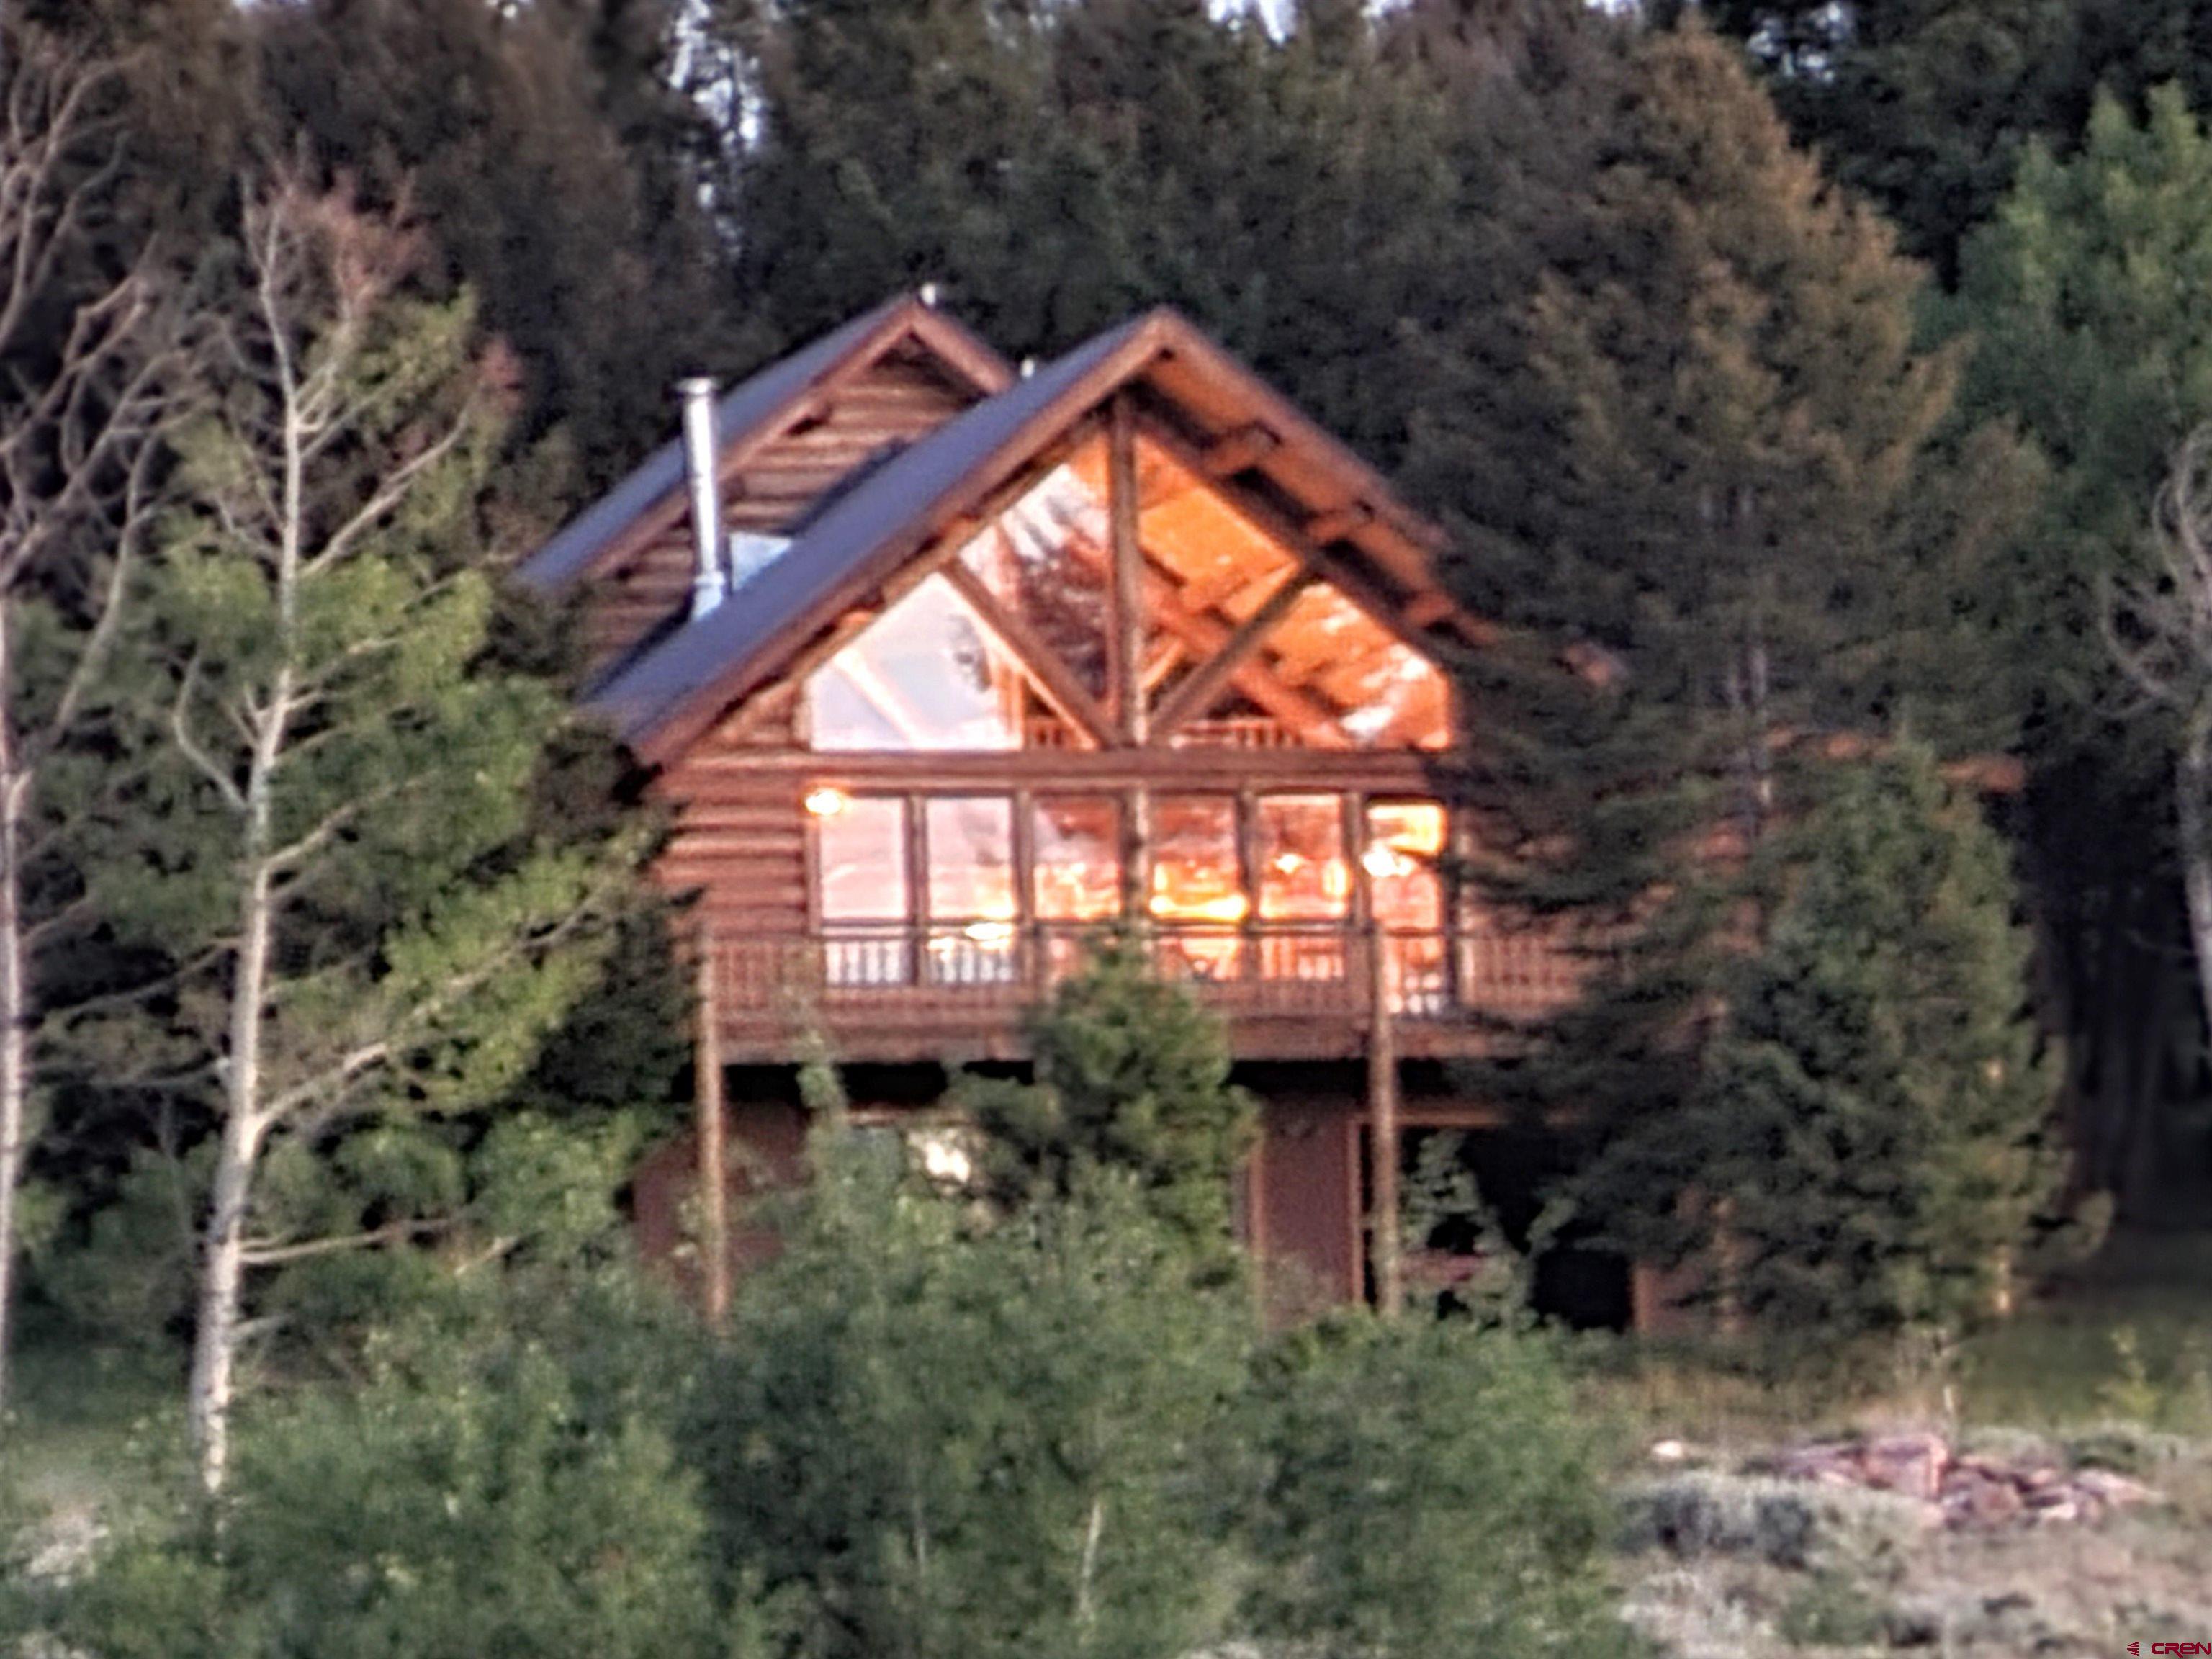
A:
(770, 488)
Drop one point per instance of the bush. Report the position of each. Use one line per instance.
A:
(947, 1435)
(472, 1498)
(1132, 1075)
(1784, 1523)
(1426, 1493)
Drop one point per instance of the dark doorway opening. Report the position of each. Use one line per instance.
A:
(1514, 1171)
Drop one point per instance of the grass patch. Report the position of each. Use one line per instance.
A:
(77, 1413)
(2126, 1337)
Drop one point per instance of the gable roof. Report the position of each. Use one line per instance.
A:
(663, 699)
(754, 408)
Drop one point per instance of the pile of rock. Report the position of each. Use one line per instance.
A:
(1963, 1488)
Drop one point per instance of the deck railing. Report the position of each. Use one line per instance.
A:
(909, 975)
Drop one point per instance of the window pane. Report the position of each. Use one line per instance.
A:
(1404, 839)
(1301, 870)
(1305, 886)
(971, 857)
(1386, 696)
(971, 890)
(1078, 858)
(1195, 876)
(861, 851)
(1198, 887)
(927, 675)
(1044, 557)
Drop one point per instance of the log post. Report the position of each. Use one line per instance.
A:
(1126, 605)
(1384, 1226)
(1126, 650)
(713, 1141)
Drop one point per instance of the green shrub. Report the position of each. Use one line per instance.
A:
(1426, 1493)
(474, 1497)
(947, 1436)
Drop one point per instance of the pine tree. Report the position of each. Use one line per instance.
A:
(1870, 1136)
(1132, 1075)
(2090, 300)
(1930, 106)
(328, 831)
(1744, 509)
(549, 157)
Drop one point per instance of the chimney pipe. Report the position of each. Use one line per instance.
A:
(701, 447)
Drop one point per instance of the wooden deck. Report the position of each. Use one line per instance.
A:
(1289, 991)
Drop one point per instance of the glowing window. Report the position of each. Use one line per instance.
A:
(971, 857)
(1045, 559)
(1404, 841)
(1385, 694)
(1077, 874)
(970, 840)
(861, 851)
(927, 675)
(1302, 873)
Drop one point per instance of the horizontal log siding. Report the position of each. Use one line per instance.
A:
(739, 841)
(895, 400)
(744, 853)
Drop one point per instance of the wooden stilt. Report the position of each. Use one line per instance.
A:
(714, 1143)
(1383, 1227)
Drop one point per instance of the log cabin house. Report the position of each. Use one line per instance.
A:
(941, 665)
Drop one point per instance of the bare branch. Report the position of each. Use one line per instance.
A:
(189, 746)
(389, 494)
(269, 1254)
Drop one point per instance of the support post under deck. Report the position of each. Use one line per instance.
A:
(713, 1141)
(1384, 1230)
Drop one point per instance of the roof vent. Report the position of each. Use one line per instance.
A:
(701, 445)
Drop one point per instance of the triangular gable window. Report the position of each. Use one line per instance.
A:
(1008, 647)
(926, 675)
(1045, 559)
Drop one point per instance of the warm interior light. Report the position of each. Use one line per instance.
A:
(1384, 862)
(827, 801)
(1223, 907)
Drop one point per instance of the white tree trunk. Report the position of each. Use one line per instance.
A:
(15, 1006)
(223, 1273)
(2192, 777)
(245, 1123)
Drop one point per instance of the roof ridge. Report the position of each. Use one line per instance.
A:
(757, 401)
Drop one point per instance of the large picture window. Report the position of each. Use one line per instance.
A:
(969, 842)
(1240, 639)
(927, 675)
(963, 890)
(860, 879)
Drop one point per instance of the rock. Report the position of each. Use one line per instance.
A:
(1983, 1500)
(1912, 1464)
(1980, 1489)
(2116, 1490)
